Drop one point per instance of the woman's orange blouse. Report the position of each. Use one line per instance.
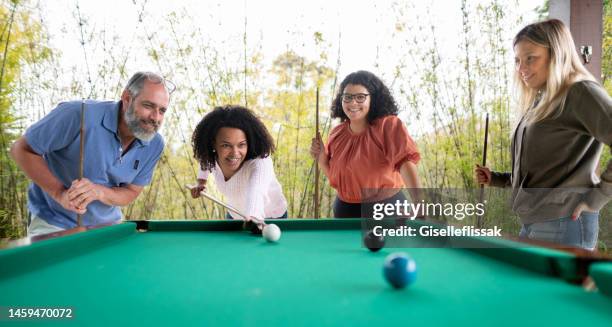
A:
(370, 159)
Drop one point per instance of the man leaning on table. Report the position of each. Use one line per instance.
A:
(121, 148)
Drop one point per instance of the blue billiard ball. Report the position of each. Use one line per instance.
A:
(399, 270)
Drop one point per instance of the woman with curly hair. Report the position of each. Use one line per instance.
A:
(233, 145)
(370, 155)
(565, 122)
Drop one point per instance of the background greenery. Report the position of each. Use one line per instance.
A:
(443, 100)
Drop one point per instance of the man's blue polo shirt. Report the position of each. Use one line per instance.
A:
(56, 138)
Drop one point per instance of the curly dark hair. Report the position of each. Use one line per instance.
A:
(259, 142)
(381, 101)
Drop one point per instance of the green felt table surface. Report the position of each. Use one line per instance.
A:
(214, 274)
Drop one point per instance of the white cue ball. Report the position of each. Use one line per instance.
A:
(271, 233)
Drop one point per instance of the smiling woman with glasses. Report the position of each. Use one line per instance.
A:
(370, 155)
(359, 97)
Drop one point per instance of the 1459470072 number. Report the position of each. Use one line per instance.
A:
(12, 313)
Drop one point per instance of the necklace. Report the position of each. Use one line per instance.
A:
(120, 145)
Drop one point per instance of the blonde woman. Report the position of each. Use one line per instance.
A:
(566, 120)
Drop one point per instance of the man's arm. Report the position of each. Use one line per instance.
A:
(82, 192)
(35, 167)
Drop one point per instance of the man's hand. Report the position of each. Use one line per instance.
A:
(82, 192)
(64, 200)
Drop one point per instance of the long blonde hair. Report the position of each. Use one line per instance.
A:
(565, 68)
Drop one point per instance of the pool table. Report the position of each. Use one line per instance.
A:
(163, 273)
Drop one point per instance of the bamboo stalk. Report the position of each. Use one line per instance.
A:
(317, 212)
(484, 164)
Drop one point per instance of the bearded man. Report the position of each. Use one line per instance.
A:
(120, 151)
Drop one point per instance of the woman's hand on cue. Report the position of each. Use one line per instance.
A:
(317, 148)
(198, 189)
(482, 175)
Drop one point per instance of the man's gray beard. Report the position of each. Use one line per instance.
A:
(133, 125)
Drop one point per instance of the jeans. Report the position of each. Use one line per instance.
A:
(581, 232)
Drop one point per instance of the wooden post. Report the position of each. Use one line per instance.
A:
(584, 18)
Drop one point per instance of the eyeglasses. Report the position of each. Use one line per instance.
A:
(359, 97)
(135, 83)
(171, 87)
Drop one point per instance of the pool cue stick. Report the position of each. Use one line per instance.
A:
(81, 153)
(227, 206)
(484, 164)
(260, 223)
(317, 212)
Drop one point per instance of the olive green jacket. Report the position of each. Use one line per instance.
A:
(554, 161)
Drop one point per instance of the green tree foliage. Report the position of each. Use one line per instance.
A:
(453, 94)
(21, 45)
(606, 78)
(606, 60)
(292, 106)
(543, 10)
